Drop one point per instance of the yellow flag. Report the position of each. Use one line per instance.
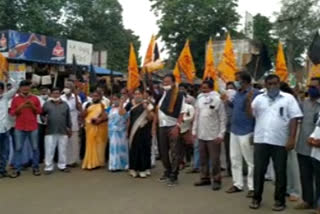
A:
(281, 66)
(133, 71)
(314, 72)
(185, 64)
(228, 65)
(209, 71)
(149, 55)
(3, 66)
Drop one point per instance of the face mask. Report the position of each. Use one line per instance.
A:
(167, 87)
(138, 100)
(237, 84)
(67, 91)
(55, 99)
(273, 93)
(45, 97)
(116, 103)
(313, 92)
(96, 102)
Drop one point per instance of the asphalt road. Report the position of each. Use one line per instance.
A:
(99, 192)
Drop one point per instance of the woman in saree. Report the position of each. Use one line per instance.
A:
(140, 138)
(117, 123)
(96, 133)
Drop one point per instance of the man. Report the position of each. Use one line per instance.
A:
(5, 97)
(311, 109)
(73, 101)
(171, 108)
(58, 129)
(44, 95)
(276, 115)
(242, 126)
(25, 107)
(209, 128)
(314, 142)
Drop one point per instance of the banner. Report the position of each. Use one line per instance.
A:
(17, 72)
(4, 43)
(81, 50)
(34, 47)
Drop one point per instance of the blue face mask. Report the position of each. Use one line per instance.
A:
(273, 93)
(313, 92)
(237, 84)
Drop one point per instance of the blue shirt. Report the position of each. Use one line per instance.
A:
(241, 123)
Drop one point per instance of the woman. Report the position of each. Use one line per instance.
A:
(140, 126)
(96, 133)
(117, 117)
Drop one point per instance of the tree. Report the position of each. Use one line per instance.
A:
(296, 26)
(196, 20)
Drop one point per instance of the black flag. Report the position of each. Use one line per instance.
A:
(75, 70)
(314, 50)
(92, 77)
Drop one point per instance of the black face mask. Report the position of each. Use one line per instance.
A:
(96, 102)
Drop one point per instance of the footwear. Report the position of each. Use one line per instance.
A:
(303, 206)
(203, 182)
(193, 171)
(250, 194)
(14, 174)
(233, 189)
(216, 185)
(148, 172)
(164, 178)
(48, 172)
(36, 172)
(66, 170)
(293, 198)
(278, 206)
(133, 173)
(142, 174)
(172, 182)
(74, 165)
(254, 205)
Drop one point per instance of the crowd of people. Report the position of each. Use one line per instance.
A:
(268, 132)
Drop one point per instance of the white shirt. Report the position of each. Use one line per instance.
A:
(165, 120)
(315, 152)
(210, 117)
(4, 109)
(73, 110)
(187, 119)
(42, 102)
(273, 118)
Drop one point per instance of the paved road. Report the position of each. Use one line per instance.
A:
(99, 192)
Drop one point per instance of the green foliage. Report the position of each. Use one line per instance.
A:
(296, 26)
(196, 20)
(94, 21)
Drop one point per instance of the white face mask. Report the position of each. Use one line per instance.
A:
(67, 91)
(45, 97)
(55, 99)
(167, 87)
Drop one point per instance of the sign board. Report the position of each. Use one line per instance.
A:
(81, 50)
(17, 72)
(99, 59)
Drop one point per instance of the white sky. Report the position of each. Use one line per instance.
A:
(138, 17)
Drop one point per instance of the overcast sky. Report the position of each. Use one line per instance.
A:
(138, 17)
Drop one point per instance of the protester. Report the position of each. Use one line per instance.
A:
(73, 101)
(242, 126)
(44, 96)
(5, 96)
(96, 132)
(311, 109)
(117, 127)
(139, 133)
(26, 107)
(209, 128)
(276, 115)
(56, 114)
(171, 108)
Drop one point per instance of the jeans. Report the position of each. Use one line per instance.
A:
(196, 155)
(20, 138)
(4, 151)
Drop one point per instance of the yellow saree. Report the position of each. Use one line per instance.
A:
(96, 139)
